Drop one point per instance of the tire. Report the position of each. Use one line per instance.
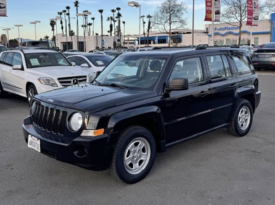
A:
(31, 92)
(2, 92)
(242, 119)
(127, 150)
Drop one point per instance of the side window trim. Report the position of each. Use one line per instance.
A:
(202, 67)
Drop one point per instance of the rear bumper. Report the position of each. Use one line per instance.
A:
(258, 98)
(84, 152)
(264, 64)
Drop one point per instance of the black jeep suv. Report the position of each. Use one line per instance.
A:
(142, 103)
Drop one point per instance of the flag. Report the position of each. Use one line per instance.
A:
(208, 10)
(3, 8)
(217, 6)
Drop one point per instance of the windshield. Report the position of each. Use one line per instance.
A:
(269, 45)
(134, 72)
(36, 60)
(99, 61)
(39, 44)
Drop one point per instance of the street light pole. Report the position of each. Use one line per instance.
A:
(193, 24)
(136, 4)
(18, 26)
(213, 15)
(35, 22)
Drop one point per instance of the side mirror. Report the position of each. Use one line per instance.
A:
(17, 67)
(178, 84)
(84, 65)
(73, 63)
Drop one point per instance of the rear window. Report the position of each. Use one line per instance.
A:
(39, 44)
(99, 61)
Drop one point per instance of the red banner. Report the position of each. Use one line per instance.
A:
(249, 13)
(208, 10)
(217, 6)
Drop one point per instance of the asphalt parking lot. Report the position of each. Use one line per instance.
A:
(214, 169)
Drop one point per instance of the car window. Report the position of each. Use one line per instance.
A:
(80, 61)
(72, 59)
(241, 63)
(2, 56)
(17, 59)
(188, 68)
(8, 59)
(217, 66)
(100, 61)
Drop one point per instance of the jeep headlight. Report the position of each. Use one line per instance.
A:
(76, 121)
(48, 81)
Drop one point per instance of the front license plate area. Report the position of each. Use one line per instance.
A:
(34, 143)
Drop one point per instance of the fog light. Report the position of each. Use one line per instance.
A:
(80, 151)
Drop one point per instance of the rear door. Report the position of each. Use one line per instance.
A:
(223, 85)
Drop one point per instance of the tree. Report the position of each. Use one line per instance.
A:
(169, 16)
(123, 31)
(61, 22)
(52, 24)
(143, 23)
(268, 7)
(149, 27)
(101, 11)
(110, 18)
(76, 4)
(234, 10)
(119, 24)
(93, 19)
(89, 25)
(114, 20)
(46, 37)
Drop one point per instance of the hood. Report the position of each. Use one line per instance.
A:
(59, 71)
(93, 98)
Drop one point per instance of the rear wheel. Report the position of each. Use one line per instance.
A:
(31, 92)
(134, 155)
(242, 119)
(2, 92)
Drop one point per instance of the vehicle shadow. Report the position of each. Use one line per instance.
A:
(13, 101)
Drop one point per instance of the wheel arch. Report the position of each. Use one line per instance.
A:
(148, 117)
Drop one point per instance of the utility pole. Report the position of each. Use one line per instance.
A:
(193, 30)
(35, 22)
(18, 26)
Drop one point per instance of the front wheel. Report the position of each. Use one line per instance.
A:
(31, 92)
(134, 155)
(242, 119)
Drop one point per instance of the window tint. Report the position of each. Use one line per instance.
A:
(8, 59)
(216, 67)
(188, 68)
(72, 59)
(100, 61)
(17, 59)
(241, 62)
(80, 61)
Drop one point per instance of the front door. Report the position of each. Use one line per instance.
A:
(187, 113)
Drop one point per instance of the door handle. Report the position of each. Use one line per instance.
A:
(204, 93)
(233, 85)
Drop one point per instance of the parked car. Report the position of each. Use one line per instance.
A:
(248, 49)
(31, 71)
(42, 45)
(142, 103)
(2, 48)
(264, 57)
(92, 62)
(2, 6)
(69, 53)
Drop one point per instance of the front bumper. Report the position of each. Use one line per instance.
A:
(90, 153)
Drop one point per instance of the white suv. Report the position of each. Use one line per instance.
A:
(30, 72)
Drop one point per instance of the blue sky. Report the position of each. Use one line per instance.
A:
(25, 11)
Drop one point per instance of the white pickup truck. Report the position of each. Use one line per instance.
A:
(29, 72)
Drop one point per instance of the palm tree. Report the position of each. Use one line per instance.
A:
(76, 4)
(111, 25)
(52, 24)
(61, 22)
(84, 29)
(123, 31)
(143, 22)
(119, 25)
(93, 19)
(113, 11)
(101, 11)
(149, 27)
(46, 37)
(89, 25)
(69, 25)
(96, 39)
(66, 31)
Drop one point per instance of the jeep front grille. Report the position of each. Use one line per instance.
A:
(72, 80)
(49, 119)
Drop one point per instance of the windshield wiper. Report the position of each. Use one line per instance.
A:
(115, 85)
